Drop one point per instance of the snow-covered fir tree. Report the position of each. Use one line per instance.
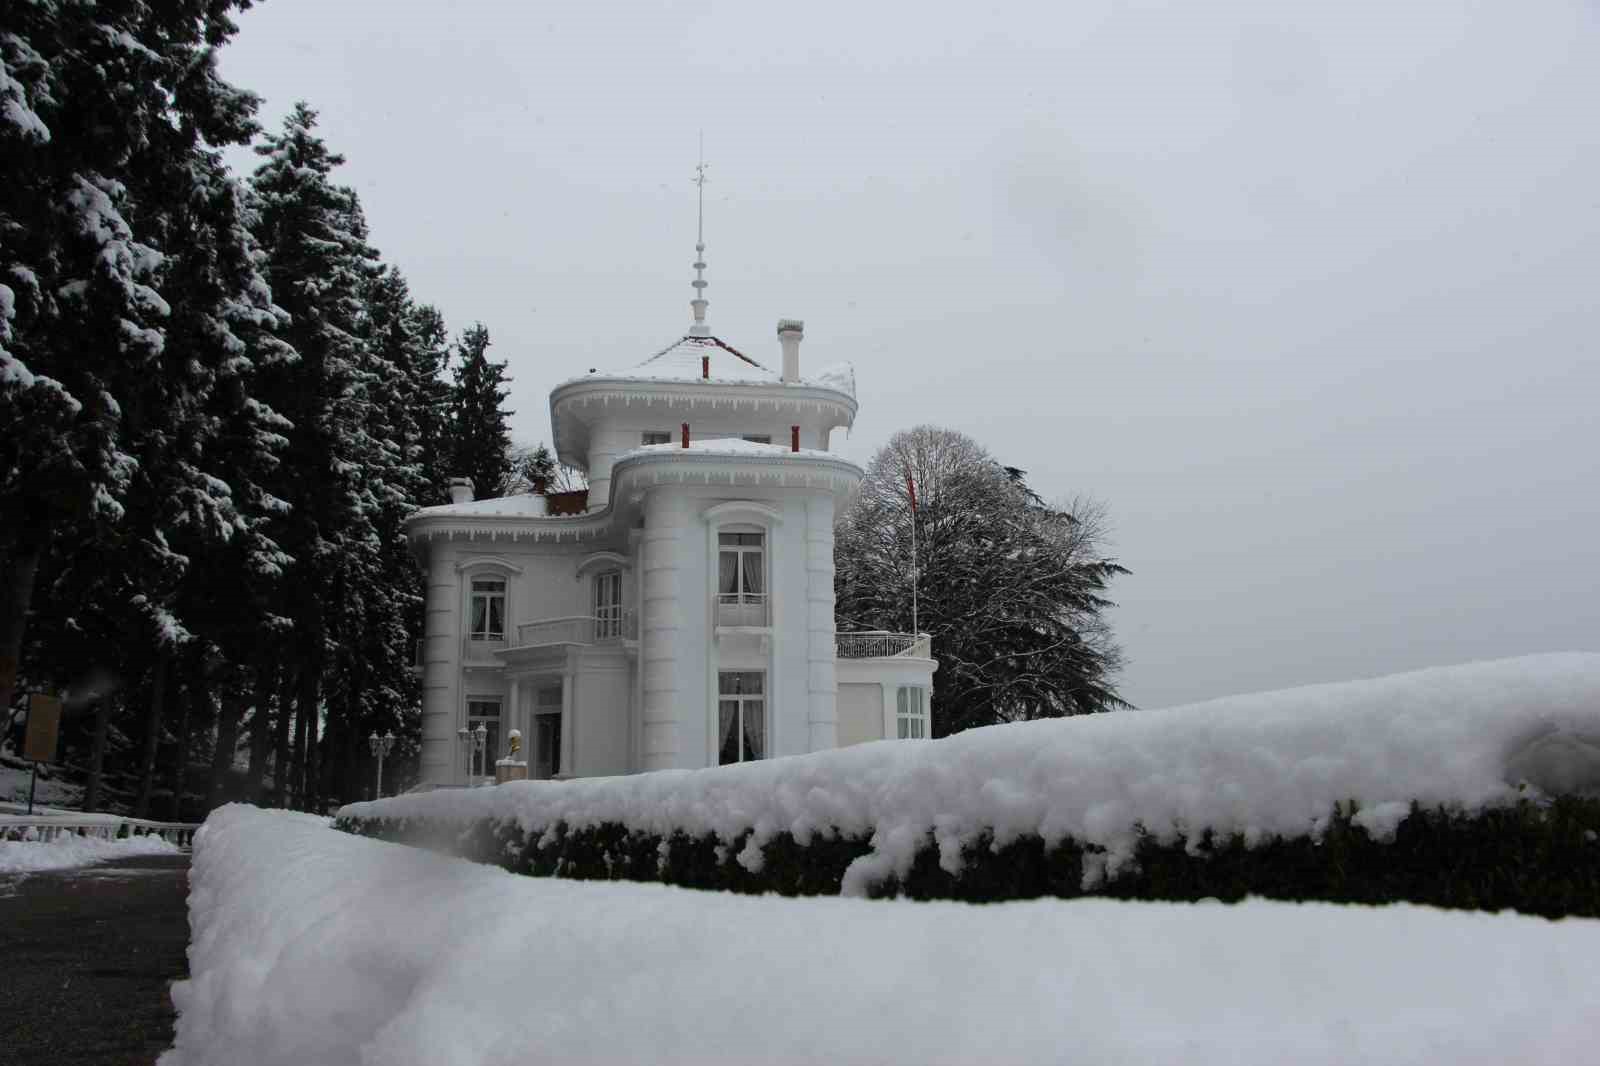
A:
(480, 423)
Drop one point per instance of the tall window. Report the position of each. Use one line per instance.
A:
(911, 713)
(655, 436)
(487, 713)
(488, 608)
(741, 572)
(608, 605)
(741, 716)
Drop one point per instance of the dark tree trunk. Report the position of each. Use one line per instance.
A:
(152, 737)
(222, 755)
(260, 735)
(192, 693)
(305, 714)
(281, 768)
(313, 767)
(16, 594)
(97, 754)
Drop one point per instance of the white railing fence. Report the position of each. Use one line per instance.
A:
(745, 609)
(579, 629)
(879, 644)
(49, 829)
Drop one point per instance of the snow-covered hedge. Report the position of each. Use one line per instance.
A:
(1463, 786)
(313, 948)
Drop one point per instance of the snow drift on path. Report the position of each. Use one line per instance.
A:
(1271, 764)
(68, 851)
(313, 946)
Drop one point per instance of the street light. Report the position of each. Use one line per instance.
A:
(464, 738)
(479, 739)
(381, 746)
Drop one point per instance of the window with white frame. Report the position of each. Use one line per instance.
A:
(741, 567)
(655, 436)
(911, 713)
(741, 716)
(608, 605)
(487, 610)
(484, 711)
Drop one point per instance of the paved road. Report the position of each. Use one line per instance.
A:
(86, 958)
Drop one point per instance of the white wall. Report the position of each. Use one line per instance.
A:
(860, 713)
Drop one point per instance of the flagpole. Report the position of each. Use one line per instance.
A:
(916, 571)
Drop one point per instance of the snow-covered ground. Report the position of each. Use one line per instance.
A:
(15, 778)
(68, 851)
(313, 946)
(1265, 765)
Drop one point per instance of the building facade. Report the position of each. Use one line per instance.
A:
(681, 613)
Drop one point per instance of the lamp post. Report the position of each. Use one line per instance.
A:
(464, 738)
(480, 738)
(381, 746)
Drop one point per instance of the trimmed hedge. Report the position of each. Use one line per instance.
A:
(1537, 858)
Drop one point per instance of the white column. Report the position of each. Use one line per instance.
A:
(821, 679)
(661, 636)
(441, 668)
(513, 718)
(568, 740)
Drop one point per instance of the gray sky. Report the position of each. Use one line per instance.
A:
(1306, 295)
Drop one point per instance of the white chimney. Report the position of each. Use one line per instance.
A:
(790, 330)
(461, 490)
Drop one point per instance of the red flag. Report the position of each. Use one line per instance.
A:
(911, 490)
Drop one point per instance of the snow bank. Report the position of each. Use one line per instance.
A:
(66, 852)
(311, 946)
(1272, 764)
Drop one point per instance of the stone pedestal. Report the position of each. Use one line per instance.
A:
(505, 770)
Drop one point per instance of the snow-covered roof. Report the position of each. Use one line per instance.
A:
(685, 360)
(526, 505)
(726, 446)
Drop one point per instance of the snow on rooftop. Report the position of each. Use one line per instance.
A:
(525, 505)
(1265, 765)
(726, 446)
(314, 946)
(681, 361)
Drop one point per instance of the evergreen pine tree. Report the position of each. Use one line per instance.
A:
(480, 424)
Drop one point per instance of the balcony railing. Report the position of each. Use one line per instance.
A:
(743, 610)
(579, 629)
(877, 644)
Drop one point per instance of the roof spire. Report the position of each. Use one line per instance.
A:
(700, 329)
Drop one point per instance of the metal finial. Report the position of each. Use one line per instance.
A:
(700, 329)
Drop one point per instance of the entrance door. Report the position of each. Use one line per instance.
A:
(547, 731)
(547, 745)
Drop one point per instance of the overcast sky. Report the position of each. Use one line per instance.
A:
(1307, 294)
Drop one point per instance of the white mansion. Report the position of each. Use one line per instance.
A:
(680, 614)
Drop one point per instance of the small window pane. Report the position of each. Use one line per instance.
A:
(488, 584)
(755, 729)
(656, 437)
(727, 732)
